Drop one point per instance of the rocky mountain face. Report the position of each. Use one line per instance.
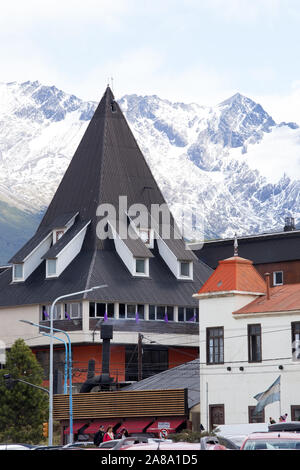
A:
(213, 164)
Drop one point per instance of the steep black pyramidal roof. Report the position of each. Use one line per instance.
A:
(107, 164)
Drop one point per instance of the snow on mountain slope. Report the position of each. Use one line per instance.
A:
(216, 161)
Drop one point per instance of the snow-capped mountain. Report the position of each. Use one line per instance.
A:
(230, 163)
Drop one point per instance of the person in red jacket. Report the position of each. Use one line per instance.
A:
(109, 435)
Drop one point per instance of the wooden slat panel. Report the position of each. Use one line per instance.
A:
(122, 404)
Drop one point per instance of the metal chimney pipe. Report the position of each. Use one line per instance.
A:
(267, 277)
(106, 336)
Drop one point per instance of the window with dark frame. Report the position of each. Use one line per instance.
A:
(215, 345)
(255, 418)
(295, 329)
(254, 343)
(98, 309)
(277, 278)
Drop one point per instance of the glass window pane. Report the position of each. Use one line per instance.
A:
(170, 313)
(131, 309)
(160, 312)
(151, 312)
(141, 311)
(189, 314)
(121, 310)
(74, 310)
(92, 309)
(140, 266)
(111, 310)
(180, 314)
(18, 271)
(51, 267)
(184, 269)
(100, 309)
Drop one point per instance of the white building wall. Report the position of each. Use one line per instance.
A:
(35, 258)
(235, 388)
(66, 256)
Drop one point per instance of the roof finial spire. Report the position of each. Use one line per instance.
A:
(236, 253)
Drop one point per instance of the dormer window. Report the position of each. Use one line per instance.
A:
(142, 266)
(51, 268)
(18, 272)
(147, 236)
(185, 269)
(57, 234)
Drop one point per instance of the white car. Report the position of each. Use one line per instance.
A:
(14, 447)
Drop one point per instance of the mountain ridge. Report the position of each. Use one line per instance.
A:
(211, 160)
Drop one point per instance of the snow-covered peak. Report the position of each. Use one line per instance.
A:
(215, 160)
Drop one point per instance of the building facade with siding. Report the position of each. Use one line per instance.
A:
(249, 336)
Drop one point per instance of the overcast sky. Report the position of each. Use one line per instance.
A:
(199, 51)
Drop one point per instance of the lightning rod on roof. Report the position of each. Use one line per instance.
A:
(235, 245)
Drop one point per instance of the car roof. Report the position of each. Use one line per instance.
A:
(274, 435)
(165, 446)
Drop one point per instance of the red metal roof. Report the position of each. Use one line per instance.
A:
(76, 427)
(135, 425)
(282, 298)
(234, 274)
(171, 424)
(94, 427)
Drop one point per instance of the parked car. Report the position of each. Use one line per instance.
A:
(16, 447)
(79, 444)
(287, 426)
(237, 433)
(163, 446)
(272, 441)
(117, 444)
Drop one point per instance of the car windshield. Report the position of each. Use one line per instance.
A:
(272, 444)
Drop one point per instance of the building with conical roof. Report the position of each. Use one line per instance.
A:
(107, 224)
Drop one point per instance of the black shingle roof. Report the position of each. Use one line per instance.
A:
(264, 248)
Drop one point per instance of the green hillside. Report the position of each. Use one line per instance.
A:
(16, 227)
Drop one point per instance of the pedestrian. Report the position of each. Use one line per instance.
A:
(109, 435)
(98, 438)
(272, 421)
(122, 434)
(284, 417)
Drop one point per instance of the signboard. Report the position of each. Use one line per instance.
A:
(163, 425)
(163, 434)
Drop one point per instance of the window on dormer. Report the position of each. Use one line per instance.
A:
(140, 266)
(277, 278)
(59, 234)
(18, 272)
(51, 267)
(184, 269)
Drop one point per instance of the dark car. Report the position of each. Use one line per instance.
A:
(289, 426)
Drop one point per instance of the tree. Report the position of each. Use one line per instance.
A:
(23, 408)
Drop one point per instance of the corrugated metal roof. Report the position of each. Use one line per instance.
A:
(261, 249)
(186, 375)
(234, 274)
(282, 299)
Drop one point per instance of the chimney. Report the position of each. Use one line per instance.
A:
(267, 277)
(289, 224)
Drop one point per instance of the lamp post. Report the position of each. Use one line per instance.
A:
(70, 363)
(70, 379)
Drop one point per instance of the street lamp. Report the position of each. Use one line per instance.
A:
(70, 377)
(70, 363)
